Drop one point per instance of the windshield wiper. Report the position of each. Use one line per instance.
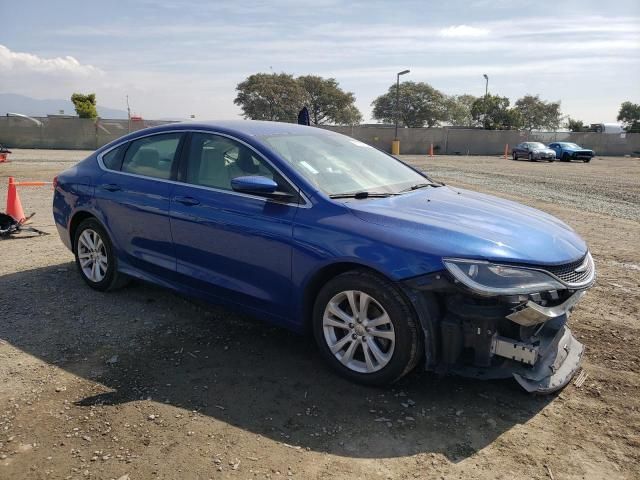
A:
(361, 195)
(417, 186)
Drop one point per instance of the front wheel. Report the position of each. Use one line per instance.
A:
(95, 257)
(366, 329)
(515, 155)
(531, 157)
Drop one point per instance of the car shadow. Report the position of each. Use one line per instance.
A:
(144, 342)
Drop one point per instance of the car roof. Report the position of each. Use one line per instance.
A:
(251, 128)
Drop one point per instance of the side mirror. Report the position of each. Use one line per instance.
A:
(254, 184)
(259, 185)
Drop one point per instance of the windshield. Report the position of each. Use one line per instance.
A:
(337, 164)
(570, 145)
(536, 145)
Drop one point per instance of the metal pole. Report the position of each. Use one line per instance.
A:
(486, 88)
(397, 108)
(397, 103)
(128, 116)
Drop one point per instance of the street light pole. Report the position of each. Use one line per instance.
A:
(128, 116)
(397, 109)
(486, 87)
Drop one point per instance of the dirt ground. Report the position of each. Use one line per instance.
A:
(143, 384)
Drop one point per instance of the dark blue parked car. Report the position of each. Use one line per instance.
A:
(316, 231)
(567, 151)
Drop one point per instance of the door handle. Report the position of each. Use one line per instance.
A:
(112, 187)
(188, 201)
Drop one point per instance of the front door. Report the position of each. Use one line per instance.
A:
(232, 245)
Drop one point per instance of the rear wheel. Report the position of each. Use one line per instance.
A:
(565, 157)
(586, 160)
(531, 157)
(365, 328)
(514, 155)
(95, 257)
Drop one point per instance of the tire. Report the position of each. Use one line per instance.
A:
(531, 157)
(380, 354)
(565, 157)
(104, 276)
(586, 160)
(515, 155)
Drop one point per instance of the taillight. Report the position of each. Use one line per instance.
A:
(55, 182)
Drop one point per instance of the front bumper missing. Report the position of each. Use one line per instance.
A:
(491, 340)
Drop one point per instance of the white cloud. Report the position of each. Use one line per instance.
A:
(463, 31)
(27, 62)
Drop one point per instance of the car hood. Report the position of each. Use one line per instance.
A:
(452, 222)
(544, 150)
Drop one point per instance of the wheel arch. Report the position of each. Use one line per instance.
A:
(321, 277)
(77, 218)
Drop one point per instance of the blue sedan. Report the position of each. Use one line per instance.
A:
(318, 232)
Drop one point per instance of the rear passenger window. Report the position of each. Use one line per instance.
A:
(112, 159)
(152, 156)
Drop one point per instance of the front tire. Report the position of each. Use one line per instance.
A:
(95, 257)
(531, 157)
(515, 155)
(365, 328)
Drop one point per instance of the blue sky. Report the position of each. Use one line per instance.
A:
(177, 58)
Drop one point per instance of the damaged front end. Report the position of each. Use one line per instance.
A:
(493, 321)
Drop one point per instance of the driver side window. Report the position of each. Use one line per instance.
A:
(215, 160)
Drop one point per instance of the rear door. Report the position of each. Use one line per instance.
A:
(232, 245)
(134, 194)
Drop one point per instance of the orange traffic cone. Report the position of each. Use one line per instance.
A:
(14, 207)
(3, 158)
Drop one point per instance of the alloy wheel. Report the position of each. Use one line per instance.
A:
(358, 331)
(92, 254)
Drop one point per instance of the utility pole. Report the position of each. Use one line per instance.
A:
(128, 116)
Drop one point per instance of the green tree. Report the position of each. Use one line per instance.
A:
(419, 104)
(459, 110)
(270, 96)
(537, 114)
(575, 125)
(349, 116)
(493, 113)
(85, 105)
(327, 102)
(629, 115)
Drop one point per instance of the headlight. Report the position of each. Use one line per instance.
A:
(492, 279)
